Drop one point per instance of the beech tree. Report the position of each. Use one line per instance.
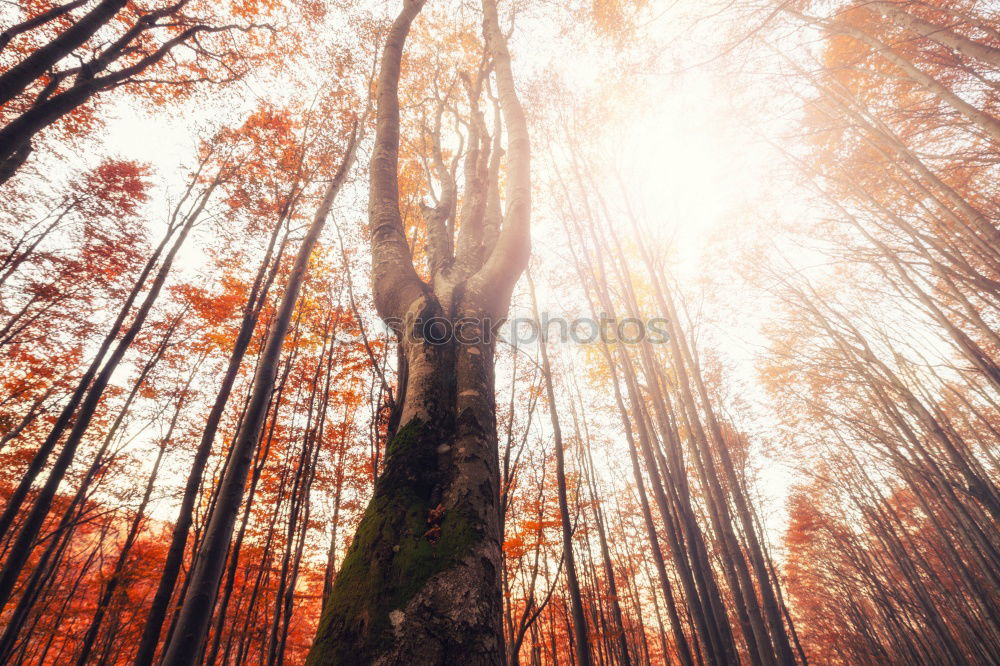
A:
(430, 535)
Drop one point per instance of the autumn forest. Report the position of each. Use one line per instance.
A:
(482, 332)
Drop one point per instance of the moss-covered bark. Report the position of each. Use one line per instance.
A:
(403, 540)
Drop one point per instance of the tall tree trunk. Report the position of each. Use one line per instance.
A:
(23, 543)
(576, 605)
(72, 515)
(421, 581)
(65, 418)
(186, 642)
(185, 513)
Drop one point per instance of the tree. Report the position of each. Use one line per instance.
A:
(430, 535)
(41, 88)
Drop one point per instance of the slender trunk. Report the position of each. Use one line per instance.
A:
(21, 75)
(940, 34)
(185, 513)
(37, 464)
(186, 642)
(579, 621)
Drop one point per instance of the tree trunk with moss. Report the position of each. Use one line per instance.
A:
(421, 581)
(422, 576)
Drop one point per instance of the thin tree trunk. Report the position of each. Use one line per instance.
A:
(186, 642)
(579, 621)
(185, 513)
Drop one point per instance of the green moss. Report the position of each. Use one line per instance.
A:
(390, 559)
(405, 440)
(418, 559)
